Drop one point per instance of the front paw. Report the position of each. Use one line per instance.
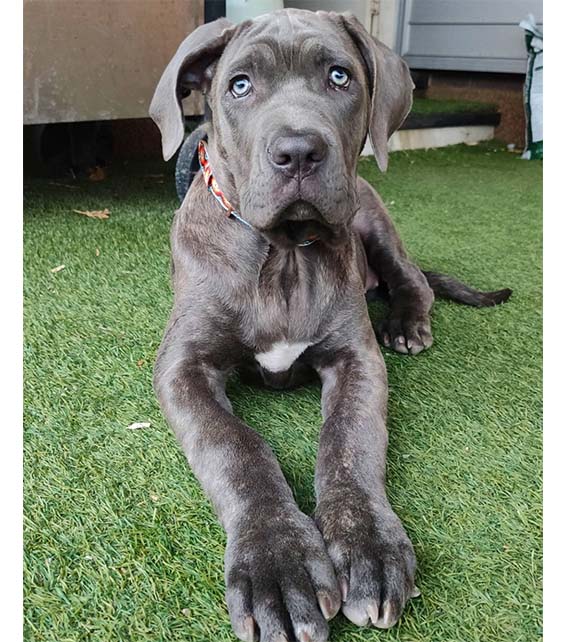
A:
(280, 581)
(407, 336)
(374, 562)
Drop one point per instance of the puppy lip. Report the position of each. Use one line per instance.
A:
(298, 230)
(294, 232)
(299, 210)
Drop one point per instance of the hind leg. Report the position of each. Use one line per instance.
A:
(407, 328)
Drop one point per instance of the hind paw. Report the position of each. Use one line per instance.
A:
(406, 336)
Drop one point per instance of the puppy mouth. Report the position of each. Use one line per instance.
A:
(301, 224)
(295, 232)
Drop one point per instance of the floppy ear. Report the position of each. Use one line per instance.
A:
(186, 71)
(390, 87)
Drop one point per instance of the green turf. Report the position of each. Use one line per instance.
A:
(437, 106)
(120, 543)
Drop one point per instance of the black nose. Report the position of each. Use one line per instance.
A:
(297, 156)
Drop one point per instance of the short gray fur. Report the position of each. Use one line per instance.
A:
(286, 157)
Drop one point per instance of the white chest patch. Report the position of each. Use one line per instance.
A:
(281, 356)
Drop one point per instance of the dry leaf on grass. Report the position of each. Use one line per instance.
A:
(97, 252)
(57, 269)
(95, 213)
(96, 174)
(140, 363)
(139, 424)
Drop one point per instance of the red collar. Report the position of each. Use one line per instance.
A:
(209, 179)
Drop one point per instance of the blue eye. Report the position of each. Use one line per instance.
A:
(339, 77)
(240, 86)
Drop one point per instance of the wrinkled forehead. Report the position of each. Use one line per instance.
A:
(292, 38)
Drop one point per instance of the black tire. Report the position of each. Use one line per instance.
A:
(187, 163)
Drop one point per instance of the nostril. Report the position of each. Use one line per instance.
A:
(282, 159)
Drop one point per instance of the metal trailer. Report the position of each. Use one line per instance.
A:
(96, 60)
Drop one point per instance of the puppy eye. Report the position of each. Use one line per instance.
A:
(240, 86)
(339, 77)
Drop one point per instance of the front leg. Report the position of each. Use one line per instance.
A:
(407, 327)
(280, 580)
(373, 557)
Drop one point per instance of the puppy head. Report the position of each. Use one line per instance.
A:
(293, 95)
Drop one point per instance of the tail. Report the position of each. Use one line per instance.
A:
(446, 287)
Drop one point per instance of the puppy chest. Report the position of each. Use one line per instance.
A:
(280, 356)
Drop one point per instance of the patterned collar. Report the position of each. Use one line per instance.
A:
(217, 192)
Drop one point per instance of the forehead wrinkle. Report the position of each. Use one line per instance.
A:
(274, 48)
(284, 31)
(314, 50)
(289, 39)
(292, 53)
(249, 57)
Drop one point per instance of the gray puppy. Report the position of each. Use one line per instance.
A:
(278, 287)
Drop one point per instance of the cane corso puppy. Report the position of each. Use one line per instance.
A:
(274, 248)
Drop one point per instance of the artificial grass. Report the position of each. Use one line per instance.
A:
(120, 543)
